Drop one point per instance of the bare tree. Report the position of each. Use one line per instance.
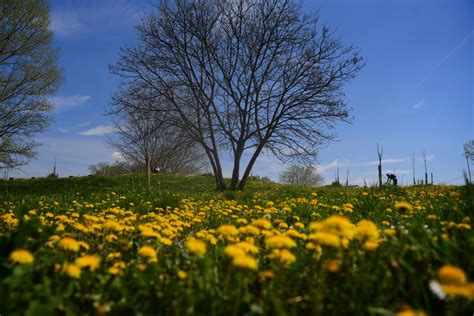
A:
(28, 75)
(379, 167)
(413, 168)
(469, 155)
(301, 175)
(246, 76)
(148, 140)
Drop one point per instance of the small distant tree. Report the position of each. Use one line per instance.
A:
(28, 75)
(301, 175)
(469, 155)
(106, 169)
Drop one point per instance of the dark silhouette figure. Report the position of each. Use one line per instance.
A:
(391, 179)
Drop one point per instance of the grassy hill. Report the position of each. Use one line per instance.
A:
(95, 245)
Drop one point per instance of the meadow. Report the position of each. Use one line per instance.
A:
(95, 245)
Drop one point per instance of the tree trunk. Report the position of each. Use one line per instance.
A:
(236, 170)
(243, 181)
(218, 175)
(380, 174)
(469, 170)
(148, 172)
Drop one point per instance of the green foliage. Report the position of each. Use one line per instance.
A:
(29, 75)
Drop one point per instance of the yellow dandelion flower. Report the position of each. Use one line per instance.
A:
(227, 230)
(266, 274)
(249, 230)
(390, 231)
(262, 223)
(332, 266)
(371, 245)
(234, 251)
(166, 241)
(248, 247)
(449, 274)
(111, 237)
(284, 255)
(21, 256)
(283, 225)
(196, 246)
(73, 270)
(339, 225)
(366, 230)
(280, 241)
(327, 239)
(299, 225)
(403, 207)
(141, 266)
(242, 221)
(182, 274)
(410, 312)
(113, 270)
(90, 261)
(68, 243)
(245, 262)
(147, 252)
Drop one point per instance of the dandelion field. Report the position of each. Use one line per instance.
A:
(106, 246)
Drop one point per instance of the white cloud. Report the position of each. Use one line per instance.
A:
(419, 104)
(388, 161)
(63, 103)
(344, 164)
(118, 157)
(72, 128)
(66, 24)
(84, 19)
(99, 130)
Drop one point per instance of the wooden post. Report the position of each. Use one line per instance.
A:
(426, 169)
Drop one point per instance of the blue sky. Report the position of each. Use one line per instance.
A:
(415, 92)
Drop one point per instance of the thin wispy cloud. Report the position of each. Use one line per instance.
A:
(63, 103)
(70, 129)
(345, 164)
(66, 24)
(419, 104)
(445, 58)
(82, 20)
(99, 131)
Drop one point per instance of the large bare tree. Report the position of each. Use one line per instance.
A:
(242, 75)
(28, 75)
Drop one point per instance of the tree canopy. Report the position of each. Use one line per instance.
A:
(28, 75)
